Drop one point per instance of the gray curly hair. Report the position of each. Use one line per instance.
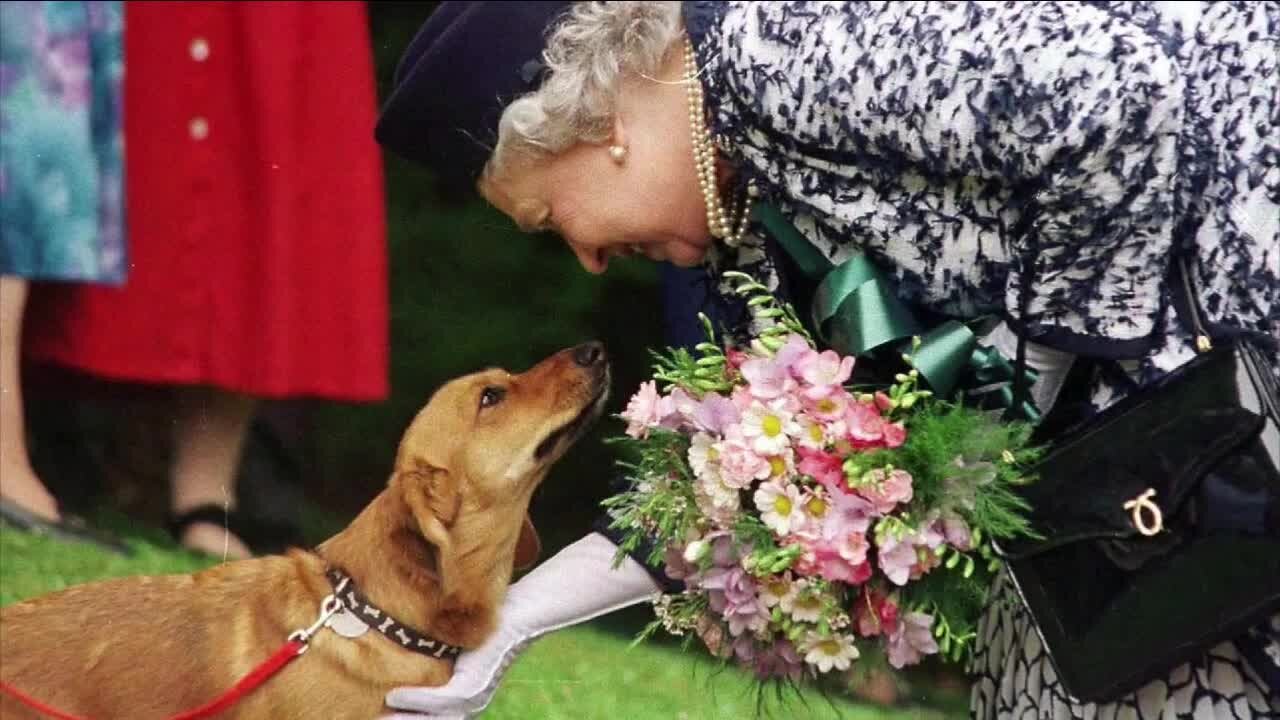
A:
(588, 54)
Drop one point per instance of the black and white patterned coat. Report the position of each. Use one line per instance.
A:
(962, 144)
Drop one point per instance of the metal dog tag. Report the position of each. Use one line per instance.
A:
(345, 623)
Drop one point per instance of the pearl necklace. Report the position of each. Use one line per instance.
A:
(719, 222)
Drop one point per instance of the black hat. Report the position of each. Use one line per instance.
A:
(468, 60)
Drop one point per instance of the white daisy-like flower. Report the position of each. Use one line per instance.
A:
(781, 466)
(777, 590)
(769, 428)
(694, 551)
(816, 505)
(813, 434)
(704, 453)
(718, 501)
(804, 606)
(836, 651)
(722, 495)
(780, 506)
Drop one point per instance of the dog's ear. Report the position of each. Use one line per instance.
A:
(432, 496)
(434, 487)
(529, 546)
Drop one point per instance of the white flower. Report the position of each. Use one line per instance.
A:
(812, 434)
(694, 551)
(816, 505)
(834, 651)
(803, 606)
(781, 506)
(777, 590)
(769, 428)
(722, 495)
(717, 500)
(781, 466)
(703, 454)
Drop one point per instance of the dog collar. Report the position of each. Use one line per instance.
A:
(356, 615)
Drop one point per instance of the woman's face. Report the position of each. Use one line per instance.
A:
(650, 203)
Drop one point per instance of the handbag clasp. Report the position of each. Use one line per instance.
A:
(1144, 509)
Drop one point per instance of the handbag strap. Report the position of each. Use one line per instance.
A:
(1180, 275)
(1021, 387)
(1195, 311)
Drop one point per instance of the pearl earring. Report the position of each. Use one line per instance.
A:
(618, 153)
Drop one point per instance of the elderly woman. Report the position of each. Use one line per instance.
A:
(1042, 162)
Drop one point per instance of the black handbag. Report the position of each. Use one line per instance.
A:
(1159, 521)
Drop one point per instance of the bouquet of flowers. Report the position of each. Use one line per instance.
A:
(807, 518)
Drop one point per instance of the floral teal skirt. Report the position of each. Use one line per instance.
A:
(61, 141)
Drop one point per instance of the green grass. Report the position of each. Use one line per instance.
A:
(33, 565)
(586, 673)
(582, 673)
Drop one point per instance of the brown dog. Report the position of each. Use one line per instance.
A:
(435, 551)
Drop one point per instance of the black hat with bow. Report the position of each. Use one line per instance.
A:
(467, 62)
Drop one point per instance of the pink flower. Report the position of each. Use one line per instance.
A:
(724, 552)
(831, 407)
(792, 352)
(874, 613)
(852, 512)
(748, 619)
(957, 532)
(910, 556)
(676, 566)
(866, 427)
(807, 563)
(733, 593)
(883, 402)
(843, 537)
(930, 536)
(779, 659)
(825, 372)
(841, 551)
(894, 434)
(824, 467)
(744, 649)
(735, 357)
(715, 413)
(675, 409)
(739, 464)
(911, 640)
(885, 490)
(642, 410)
(896, 558)
(834, 567)
(767, 378)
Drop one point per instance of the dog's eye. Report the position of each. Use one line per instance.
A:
(492, 396)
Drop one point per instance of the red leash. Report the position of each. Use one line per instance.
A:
(286, 654)
(298, 643)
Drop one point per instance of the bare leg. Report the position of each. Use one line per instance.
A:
(208, 438)
(18, 482)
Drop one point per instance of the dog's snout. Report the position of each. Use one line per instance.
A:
(588, 354)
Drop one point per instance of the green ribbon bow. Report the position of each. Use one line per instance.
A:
(855, 311)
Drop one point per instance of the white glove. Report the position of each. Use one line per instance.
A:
(1050, 365)
(576, 585)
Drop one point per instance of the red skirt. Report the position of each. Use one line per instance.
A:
(255, 209)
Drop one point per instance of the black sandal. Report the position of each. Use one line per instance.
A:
(260, 537)
(69, 528)
(230, 520)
